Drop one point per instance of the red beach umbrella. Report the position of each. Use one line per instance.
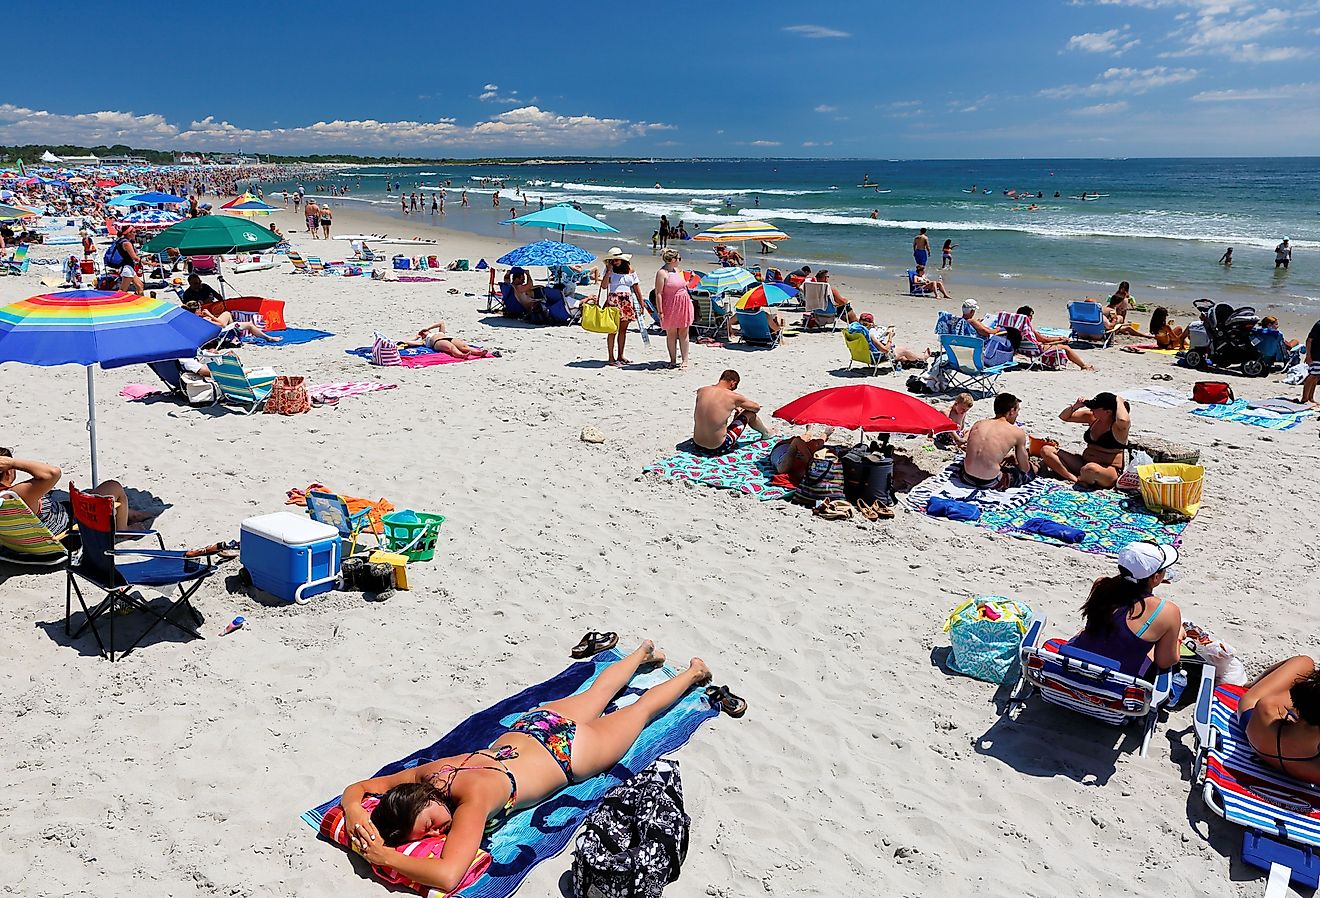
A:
(867, 408)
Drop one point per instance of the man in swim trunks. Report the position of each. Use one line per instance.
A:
(996, 457)
(921, 248)
(722, 414)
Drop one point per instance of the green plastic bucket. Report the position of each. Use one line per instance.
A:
(413, 534)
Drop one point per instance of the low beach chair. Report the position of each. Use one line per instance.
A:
(160, 570)
(967, 369)
(1030, 348)
(327, 508)
(1280, 814)
(556, 307)
(754, 329)
(913, 289)
(818, 304)
(1087, 321)
(17, 263)
(1087, 683)
(299, 263)
(24, 539)
(710, 318)
(861, 350)
(509, 303)
(248, 389)
(315, 265)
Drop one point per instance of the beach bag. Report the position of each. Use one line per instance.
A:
(822, 481)
(114, 255)
(985, 634)
(197, 389)
(936, 375)
(288, 396)
(384, 351)
(1212, 392)
(635, 841)
(600, 319)
(1170, 488)
(1130, 480)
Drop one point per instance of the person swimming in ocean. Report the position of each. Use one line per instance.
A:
(1227, 258)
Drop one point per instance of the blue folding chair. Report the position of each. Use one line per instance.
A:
(161, 570)
(754, 329)
(966, 367)
(913, 289)
(1087, 321)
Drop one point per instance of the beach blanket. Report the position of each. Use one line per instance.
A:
(418, 356)
(1054, 331)
(746, 469)
(416, 279)
(134, 392)
(1163, 397)
(948, 485)
(1238, 410)
(344, 390)
(290, 336)
(354, 504)
(538, 833)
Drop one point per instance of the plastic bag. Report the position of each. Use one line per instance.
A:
(1129, 479)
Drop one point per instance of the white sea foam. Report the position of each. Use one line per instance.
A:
(682, 191)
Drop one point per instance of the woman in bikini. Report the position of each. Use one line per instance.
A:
(464, 796)
(434, 337)
(1167, 335)
(1108, 421)
(1281, 714)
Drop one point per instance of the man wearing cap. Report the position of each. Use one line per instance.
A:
(996, 457)
(1124, 622)
(1282, 254)
(969, 308)
(1108, 421)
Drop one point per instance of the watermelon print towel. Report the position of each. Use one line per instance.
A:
(746, 469)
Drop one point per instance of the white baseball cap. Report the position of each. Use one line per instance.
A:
(970, 305)
(1144, 559)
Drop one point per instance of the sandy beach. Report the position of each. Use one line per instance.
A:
(863, 766)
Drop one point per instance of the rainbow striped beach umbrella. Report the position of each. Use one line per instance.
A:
(740, 230)
(91, 327)
(727, 280)
(247, 204)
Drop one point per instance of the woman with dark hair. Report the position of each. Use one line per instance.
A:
(464, 796)
(1281, 714)
(1166, 334)
(1115, 313)
(1047, 342)
(620, 287)
(1123, 622)
(1108, 421)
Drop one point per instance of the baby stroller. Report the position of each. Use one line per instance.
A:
(1224, 337)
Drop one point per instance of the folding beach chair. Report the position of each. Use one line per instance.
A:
(967, 370)
(203, 265)
(1087, 683)
(494, 295)
(1087, 321)
(1281, 815)
(299, 263)
(710, 317)
(1030, 348)
(754, 329)
(913, 289)
(861, 350)
(315, 265)
(24, 539)
(328, 508)
(556, 307)
(819, 304)
(17, 263)
(249, 389)
(161, 570)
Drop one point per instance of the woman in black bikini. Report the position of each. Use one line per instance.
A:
(1108, 420)
(1281, 714)
(464, 796)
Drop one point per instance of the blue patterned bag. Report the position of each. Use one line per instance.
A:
(984, 635)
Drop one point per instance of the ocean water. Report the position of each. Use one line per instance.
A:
(1162, 224)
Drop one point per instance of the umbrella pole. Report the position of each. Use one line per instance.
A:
(91, 423)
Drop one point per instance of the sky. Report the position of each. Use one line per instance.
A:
(852, 78)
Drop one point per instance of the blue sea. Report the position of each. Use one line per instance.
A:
(1160, 223)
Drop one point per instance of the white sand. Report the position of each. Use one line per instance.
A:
(861, 767)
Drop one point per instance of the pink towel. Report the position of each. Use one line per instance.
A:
(139, 391)
(343, 390)
(434, 358)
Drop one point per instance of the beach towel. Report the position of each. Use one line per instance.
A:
(134, 392)
(418, 356)
(1238, 410)
(344, 390)
(1163, 397)
(538, 833)
(1108, 519)
(1053, 331)
(746, 469)
(417, 279)
(353, 503)
(290, 336)
(948, 485)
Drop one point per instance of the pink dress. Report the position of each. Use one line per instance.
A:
(675, 302)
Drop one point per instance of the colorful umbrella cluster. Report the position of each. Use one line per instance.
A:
(248, 204)
(739, 230)
(727, 280)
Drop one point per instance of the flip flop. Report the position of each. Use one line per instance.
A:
(594, 642)
(720, 697)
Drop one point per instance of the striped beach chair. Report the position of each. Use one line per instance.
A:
(248, 389)
(1087, 683)
(299, 263)
(1281, 815)
(24, 539)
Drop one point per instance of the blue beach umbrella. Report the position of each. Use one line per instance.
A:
(727, 280)
(151, 198)
(90, 327)
(565, 217)
(151, 218)
(127, 188)
(546, 252)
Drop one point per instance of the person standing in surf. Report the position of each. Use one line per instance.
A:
(664, 231)
(921, 248)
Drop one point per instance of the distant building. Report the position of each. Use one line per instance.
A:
(123, 160)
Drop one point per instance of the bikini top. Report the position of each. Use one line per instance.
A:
(504, 753)
(1106, 440)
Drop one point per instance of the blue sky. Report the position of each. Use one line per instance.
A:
(850, 78)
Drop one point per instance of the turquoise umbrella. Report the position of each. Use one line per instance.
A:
(565, 217)
(727, 280)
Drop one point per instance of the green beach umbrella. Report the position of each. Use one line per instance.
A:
(212, 235)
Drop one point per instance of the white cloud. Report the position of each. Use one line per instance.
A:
(490, 93)
(826, 108)
(823, 143)
(1257, 53)
(491, 87)
(526, 126)
(815, 31)
(764, 143)
(1102, 108)
(1116, 40)
(1257, 95)
(1123, 80)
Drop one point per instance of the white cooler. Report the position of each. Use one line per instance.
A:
(290, 556)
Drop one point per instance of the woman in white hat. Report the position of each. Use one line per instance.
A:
(620, 288)
(1124, 621)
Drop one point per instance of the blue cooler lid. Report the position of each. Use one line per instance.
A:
(289, 529)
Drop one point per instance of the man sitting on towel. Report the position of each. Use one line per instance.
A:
(996, 457)
(722, 415)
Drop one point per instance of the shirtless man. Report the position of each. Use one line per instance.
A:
(996, 456)
(921, 248)
(722, 414)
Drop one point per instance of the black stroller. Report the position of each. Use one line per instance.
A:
(1223, 338)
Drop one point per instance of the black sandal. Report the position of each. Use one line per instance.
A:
(720, 697)
(594, 642)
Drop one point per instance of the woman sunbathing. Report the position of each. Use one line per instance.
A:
(228, 326)
(464, 796)
(57, 517)
(1281, 714)
(434, 337)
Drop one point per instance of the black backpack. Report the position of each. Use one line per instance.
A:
(633, 844)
